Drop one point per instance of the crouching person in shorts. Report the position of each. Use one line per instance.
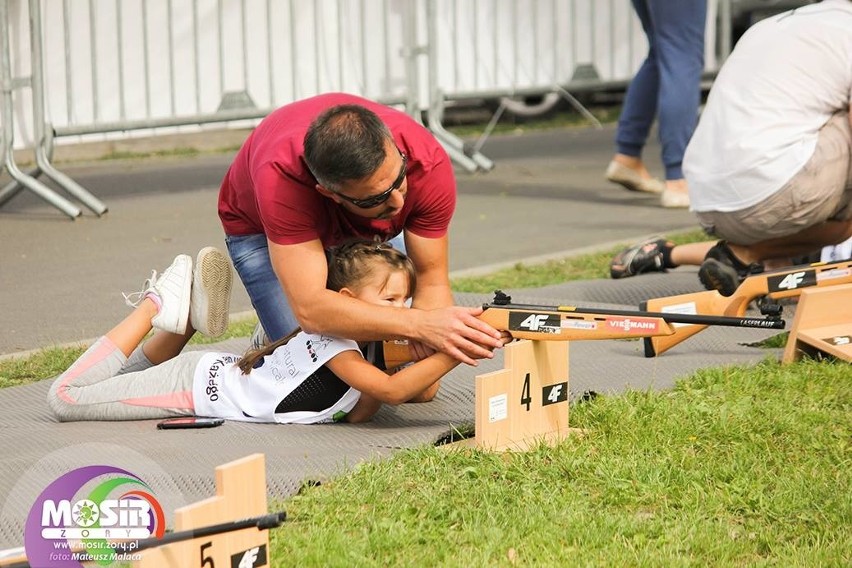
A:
(769, 167)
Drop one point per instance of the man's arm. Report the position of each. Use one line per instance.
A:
(302, 271)
(430, 258)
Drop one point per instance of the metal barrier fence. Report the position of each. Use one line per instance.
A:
(97, 69)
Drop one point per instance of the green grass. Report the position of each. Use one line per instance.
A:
(583, 267)
(550, 121)
(734, 467)
(44, 363)
(777, 341)
(523, 275)
(50, 362)
(184, 152)
(240, 328)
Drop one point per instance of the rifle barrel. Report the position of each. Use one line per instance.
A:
(262, 522)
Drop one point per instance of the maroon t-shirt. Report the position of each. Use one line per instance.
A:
(268, 188)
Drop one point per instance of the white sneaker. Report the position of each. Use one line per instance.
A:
(258, 339)
(172, 291)
(211, 292)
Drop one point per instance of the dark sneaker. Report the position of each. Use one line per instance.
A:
(645, 257)
(723, 272)
(814, 256)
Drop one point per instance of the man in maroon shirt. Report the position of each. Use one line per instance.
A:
(319, 171)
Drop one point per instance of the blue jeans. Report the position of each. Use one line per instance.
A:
(250, 256)
(668, 85)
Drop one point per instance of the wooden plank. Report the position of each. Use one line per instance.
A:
(823, 324)
(240, 494)
(526, 402)
(836, 340)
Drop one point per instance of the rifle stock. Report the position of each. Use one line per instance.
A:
(571, 323)
(777, 284)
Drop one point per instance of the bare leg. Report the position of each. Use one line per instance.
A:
(130, 332)
(633, 163)
(164, 345)
(692, 253)
(677, 186)
(803, 242)
(428, 394)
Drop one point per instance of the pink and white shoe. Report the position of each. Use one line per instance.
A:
(171, 291)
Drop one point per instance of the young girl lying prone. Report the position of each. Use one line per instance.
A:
(304, 378)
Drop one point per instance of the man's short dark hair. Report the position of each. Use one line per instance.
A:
(345, 143)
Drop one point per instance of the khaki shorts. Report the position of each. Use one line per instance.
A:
(820, 191)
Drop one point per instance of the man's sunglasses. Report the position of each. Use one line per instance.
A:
(380, 198)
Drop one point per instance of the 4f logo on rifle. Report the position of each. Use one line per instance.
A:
(792, 281)
(541, 323)
(550, 394)
(251, 558)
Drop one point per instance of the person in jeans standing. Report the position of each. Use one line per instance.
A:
(666, 87)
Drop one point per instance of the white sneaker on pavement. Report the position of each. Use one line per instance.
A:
(211, 292)
(171, 290)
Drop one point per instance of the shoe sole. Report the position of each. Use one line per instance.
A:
(632, 181)
(715, 275)
(211, 292)
(631, 185)
(674, 200)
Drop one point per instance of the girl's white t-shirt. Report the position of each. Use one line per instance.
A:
(290, 386)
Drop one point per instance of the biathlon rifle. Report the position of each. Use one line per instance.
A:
(774, 285)
(572, 323)
(261, 523)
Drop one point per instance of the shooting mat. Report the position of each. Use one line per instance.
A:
(178, 464)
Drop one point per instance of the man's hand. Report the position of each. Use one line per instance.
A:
(458, 332)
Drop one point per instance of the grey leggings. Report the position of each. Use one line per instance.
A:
(104, 385)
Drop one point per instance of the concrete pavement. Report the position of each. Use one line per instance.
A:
(60, 280)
